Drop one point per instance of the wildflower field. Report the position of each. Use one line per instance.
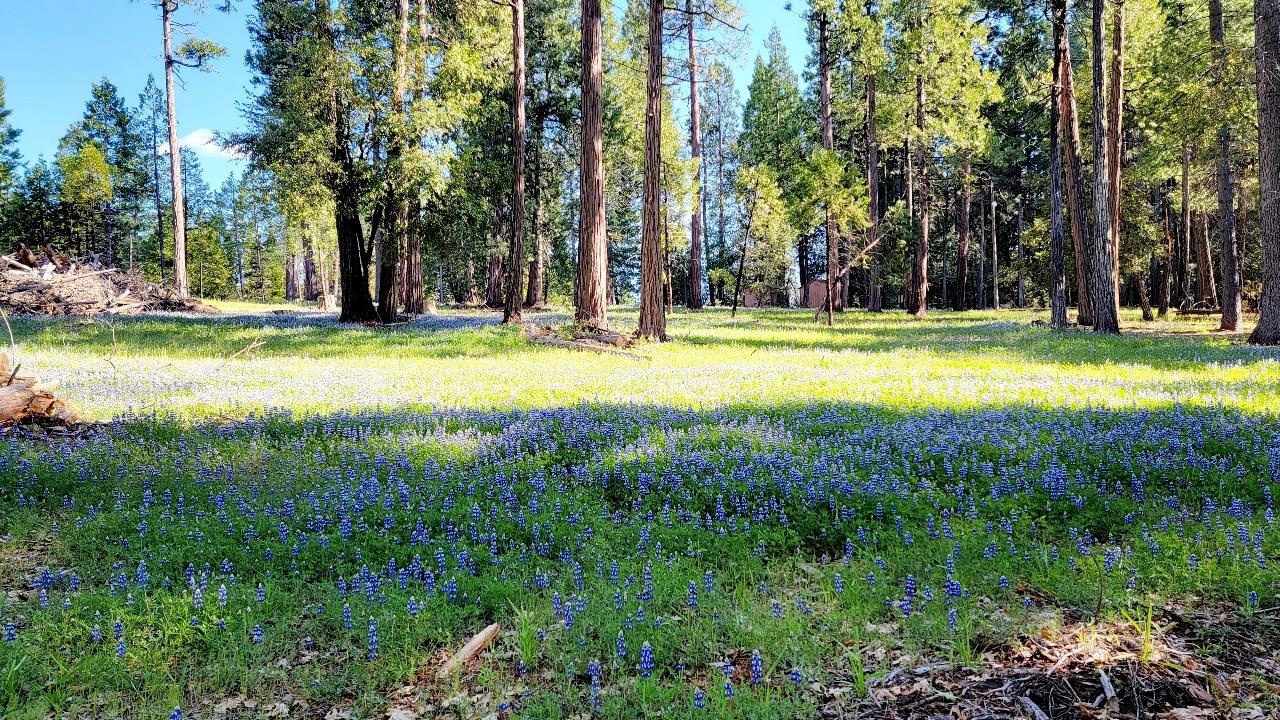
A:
(277, 516)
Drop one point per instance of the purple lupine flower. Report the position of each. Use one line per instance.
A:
(646, 660)
(757, 668)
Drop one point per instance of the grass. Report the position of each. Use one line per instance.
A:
(886, 493)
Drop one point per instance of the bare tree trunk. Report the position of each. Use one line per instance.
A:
(1074, 167)
(982, 254)
(1166, 272)
(1140, 288)
(1232, 290)
(1057, 254)
(493, 282)
(397, 214)
(536, 295)
(1185, 300)
(515, 263)
(180, 284)
(1022, 254)
(1105, 298)
(412, 294)
(828, 143)
(962, 227)
(653, 319)
(995, 254)
(590, 309)
(1266, 17)
(875, 301)
(920, 276)
(1204, 260)
(1115, 138)
(694, 300)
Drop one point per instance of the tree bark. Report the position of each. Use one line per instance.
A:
(1266, 17)
(590, 309)
(1184, 227)
(828, 143)
(1140, 289)
(536, 295)
(1232, 290)
(1074, 167)
(1057, 255)
(515, 261)
(1166, 273)
(653, 319)
(875, 301)
(493, 296)
(962, 226)
(694, 301)
(180, 283)
(1022, 252)
(920, 275)
(412, 294)
(995, 255)
(1102, 287)
(1115, 138)
(1204, 260)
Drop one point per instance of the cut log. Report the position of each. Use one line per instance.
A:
(23, 399)
(473, 647)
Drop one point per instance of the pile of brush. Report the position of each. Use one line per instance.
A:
(53, 284)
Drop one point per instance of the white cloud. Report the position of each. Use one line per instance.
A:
(203, 142)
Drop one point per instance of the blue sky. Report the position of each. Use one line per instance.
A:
(48, 74)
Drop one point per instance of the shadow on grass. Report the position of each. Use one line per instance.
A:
(309, 335)
(970, 336)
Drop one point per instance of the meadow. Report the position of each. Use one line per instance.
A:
(274, 515)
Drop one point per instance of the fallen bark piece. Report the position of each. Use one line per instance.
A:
(473, 647)
(543, 335)
(24, 399)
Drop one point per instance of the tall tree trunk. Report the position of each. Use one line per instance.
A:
(982, 254)
(695, 146)
(1105, 298)
(1140, 288)
(653, 319)
(590, 308)
(995, 254)
(536, 295)
(1074, 166)
(1204, 260)
(493, 296)
(1166, 272)
(962, 227)
(180, 284)
(1266, 18)
(412, 294)
(875, 301)
(828, 143)
(1022, 254)
(1115, 138)
(1232, 290)
(1057, 254)
(515, 261)
(397, 213)
(1185, 301)
(920, 275)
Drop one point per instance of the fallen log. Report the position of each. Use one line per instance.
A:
(473, 647)
(24, 399)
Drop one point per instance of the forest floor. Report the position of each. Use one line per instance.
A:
(964, 516)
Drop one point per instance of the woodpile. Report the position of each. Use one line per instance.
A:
(24, 399)
(53, 284)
